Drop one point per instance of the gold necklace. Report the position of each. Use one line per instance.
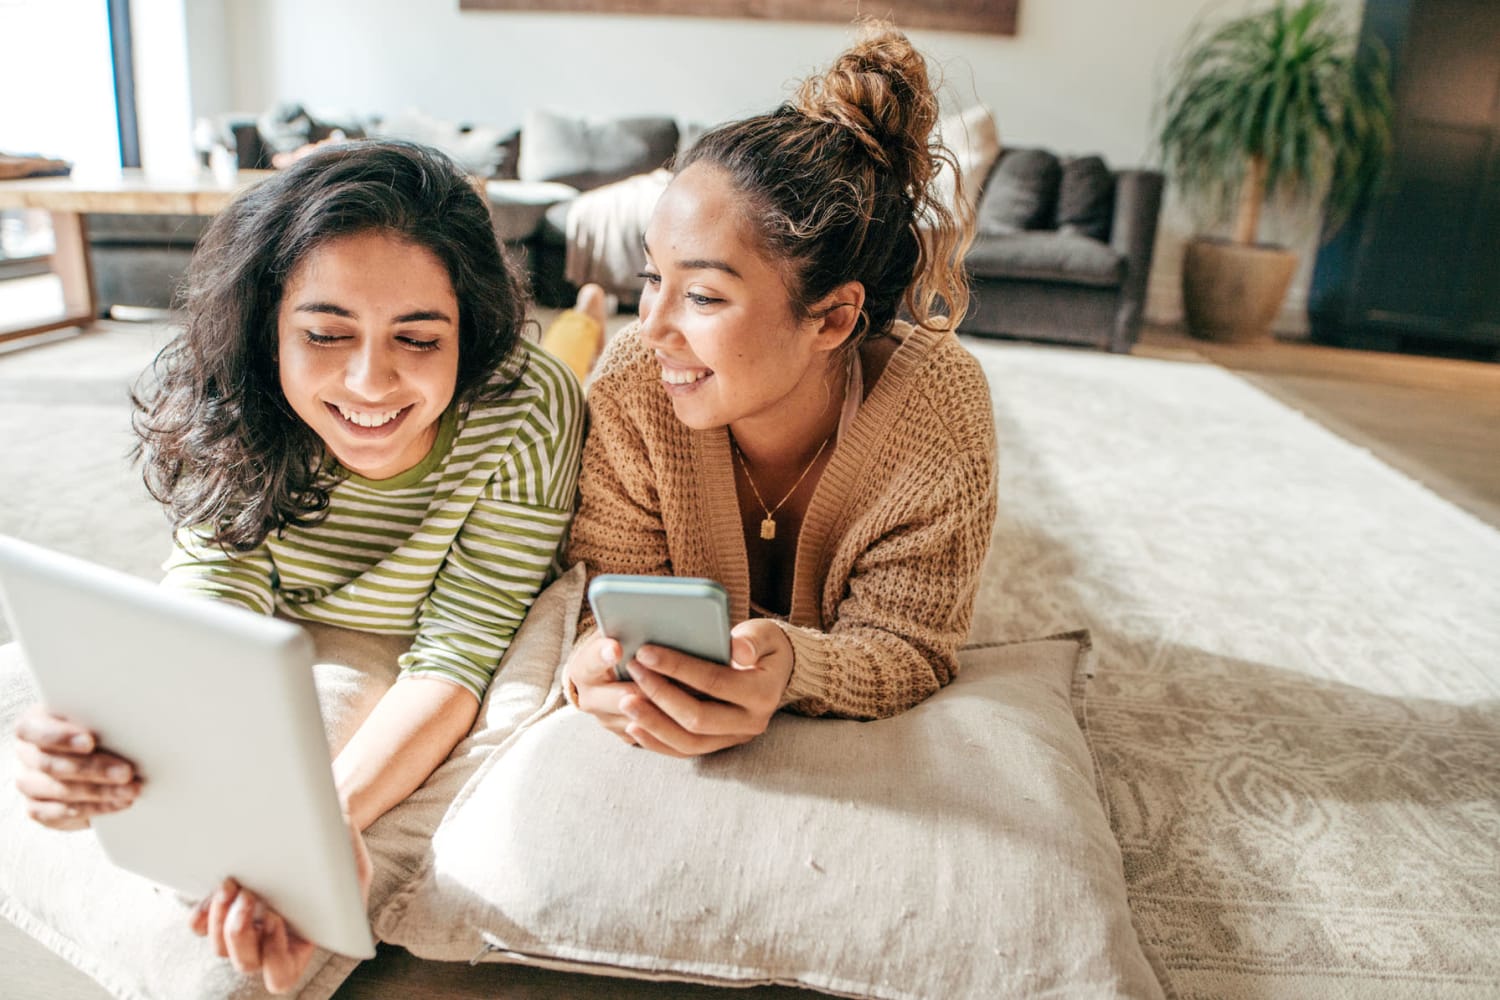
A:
(768, 526)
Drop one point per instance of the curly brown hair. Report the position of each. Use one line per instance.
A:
(220, 446)
(839, 187)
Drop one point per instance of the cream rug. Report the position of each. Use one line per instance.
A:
(1296, 710)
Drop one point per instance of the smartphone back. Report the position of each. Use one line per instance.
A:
(688, 614)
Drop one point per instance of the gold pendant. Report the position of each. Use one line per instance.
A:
(768, 529)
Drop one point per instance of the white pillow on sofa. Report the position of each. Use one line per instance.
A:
(957, 850)
(973, 139)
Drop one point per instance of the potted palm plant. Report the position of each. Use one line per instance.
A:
(1278, 106)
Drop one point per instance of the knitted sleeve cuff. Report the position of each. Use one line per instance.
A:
(811, 665)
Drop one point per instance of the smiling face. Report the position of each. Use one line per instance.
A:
(717, 315)
(367, 334)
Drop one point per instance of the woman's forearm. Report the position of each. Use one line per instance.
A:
(411, 731)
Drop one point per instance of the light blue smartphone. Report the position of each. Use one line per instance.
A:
(688, 614)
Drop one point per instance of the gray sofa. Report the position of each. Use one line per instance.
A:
(1063, 250)
(532, 175)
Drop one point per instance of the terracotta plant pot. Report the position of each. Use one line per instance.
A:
(1233, 291)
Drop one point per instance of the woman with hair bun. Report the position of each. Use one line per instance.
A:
(772, 424)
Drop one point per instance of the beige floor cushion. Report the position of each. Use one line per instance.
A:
(957, 850)
(132, 937)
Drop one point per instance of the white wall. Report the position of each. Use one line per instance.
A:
(1080, 75)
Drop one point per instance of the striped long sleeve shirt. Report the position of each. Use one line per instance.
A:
(451, 552)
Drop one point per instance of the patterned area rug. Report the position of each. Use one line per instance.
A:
(1296, 705)
(1296, 700)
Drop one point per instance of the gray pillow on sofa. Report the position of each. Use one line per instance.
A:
(589, 154)
(1021, 193)
(1086, 198)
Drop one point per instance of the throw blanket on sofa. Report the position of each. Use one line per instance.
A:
(604, 230)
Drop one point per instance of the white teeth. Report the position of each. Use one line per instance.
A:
(369, 419)
(683, 376)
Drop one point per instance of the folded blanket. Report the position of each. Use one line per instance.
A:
(604, 231)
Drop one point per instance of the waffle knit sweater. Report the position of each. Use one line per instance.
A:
(889, 557)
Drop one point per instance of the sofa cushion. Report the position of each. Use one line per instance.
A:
(589, 154)
(1021, 193)
(1046, 256)
(958, 849)
(1086, 197)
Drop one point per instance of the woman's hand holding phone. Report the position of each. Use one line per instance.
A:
(64, 776)
(682, 706)
(591, 671)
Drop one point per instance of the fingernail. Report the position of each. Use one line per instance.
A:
(81, 741)
(258, 914)
(646, 657)
(118, 772)
(630, 708)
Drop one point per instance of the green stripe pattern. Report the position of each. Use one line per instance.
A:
(452, 552)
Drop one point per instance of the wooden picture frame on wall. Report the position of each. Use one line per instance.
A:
(991, 16)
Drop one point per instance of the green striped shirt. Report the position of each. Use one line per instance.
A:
(452, 552)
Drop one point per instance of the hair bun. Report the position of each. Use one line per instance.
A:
(879, 90)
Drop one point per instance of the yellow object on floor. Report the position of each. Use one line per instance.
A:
(575, 339)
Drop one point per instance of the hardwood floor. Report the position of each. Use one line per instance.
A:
(1435, 419)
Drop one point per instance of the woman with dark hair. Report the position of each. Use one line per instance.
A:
(349, 430)
(770, 423)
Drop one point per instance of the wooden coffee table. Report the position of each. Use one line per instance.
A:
(129, 192)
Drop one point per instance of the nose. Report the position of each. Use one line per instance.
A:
(657, 323)
(371, 372)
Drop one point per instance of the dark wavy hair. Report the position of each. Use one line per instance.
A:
(838, 184)
(220, 446)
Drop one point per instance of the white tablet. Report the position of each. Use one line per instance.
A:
(216, 707)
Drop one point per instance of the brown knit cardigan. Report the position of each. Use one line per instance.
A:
(889, 556)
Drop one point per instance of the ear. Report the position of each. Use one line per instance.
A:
(836, 316)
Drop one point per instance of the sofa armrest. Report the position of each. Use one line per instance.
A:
(1132, 234)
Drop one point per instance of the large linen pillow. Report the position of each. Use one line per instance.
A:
(589, 154)
(957, 850)
(131, 936)
(975, 143)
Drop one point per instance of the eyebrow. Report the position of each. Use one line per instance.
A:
(700, 263)
(415, 316)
